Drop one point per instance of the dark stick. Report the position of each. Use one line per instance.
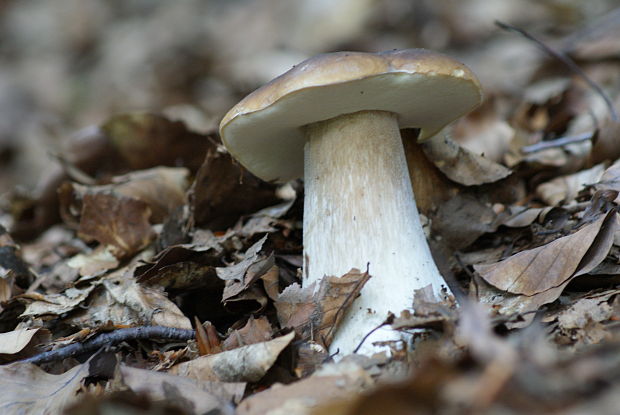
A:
(111, 339)
(562, 57)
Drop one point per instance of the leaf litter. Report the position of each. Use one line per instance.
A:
(146, 221)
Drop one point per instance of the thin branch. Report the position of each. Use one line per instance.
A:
(111, 339)
(558, 142)
(562, 57)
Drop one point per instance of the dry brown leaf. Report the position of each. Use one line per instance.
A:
(199, 396)
(161, 188)
(38, 305)
(315, 314)
(430, 186)
(115, 298)
(610, 180)
(520, 216)
(27, 389)
(536, 270)
(122, 301)
(301, 397)
(271, 281)
(461, 165)
(244, 364)
(606, 146)
(223, 191)
(143, 140)
(94, 263)
(207, 339)
(564, 189)
(463, 219)
(508, 304)
(21, 343)
(255, 331)
(484, 131)
(428, 313)
(120, 222)
(249, 269)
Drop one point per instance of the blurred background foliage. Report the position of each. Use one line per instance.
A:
(68, 64)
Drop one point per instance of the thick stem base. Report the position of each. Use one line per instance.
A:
(359, 209)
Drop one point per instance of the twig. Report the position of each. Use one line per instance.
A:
(359, 346)
(558, 142)
(562, 57)
(111, 339)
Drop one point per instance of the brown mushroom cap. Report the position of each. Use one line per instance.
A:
(426, 90)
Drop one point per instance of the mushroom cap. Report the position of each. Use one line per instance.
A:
(426, 90)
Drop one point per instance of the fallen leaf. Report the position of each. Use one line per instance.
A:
(507, 303)
(484, 131)
(304, 395)
(584, 311)
(255, 331)
(244, 364)
(315, 314)
(115, 298)
(144, 140)
(461, 165)
(27, 389)
(564, 189)
(463, 219)
(21, 343)
(207, 338)
(249, 269)
(605, 146)
(93, 263)
(38, 305)
(199, 396)
(223, 191)
(428, 313)
(430, 186)
(161, 188)
(536, 270)
(120, 222)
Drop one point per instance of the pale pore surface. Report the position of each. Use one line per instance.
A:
(359, 208)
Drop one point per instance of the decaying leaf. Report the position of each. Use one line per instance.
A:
(606, 146)
(461, 165)
(119, 215)
(252, 266)
(507, 303)
(566, 188)
(428, 313)
(536, 270)
(117, 221)
(430, 186)
(302, 396)
(463, 219)
(244, 364)
(115, 298)
(22, 343)
(256, 330)
(207, 338)
(315, 314)
(144, 140)
(197, 396)
(96, 262)
(223, 191)
(45, 393)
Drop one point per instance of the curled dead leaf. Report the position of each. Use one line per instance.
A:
(536, 270)
(461, 165)
(244, 364)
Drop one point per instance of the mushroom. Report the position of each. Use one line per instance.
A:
(335, 120)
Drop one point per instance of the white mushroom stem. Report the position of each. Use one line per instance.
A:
(359, 208)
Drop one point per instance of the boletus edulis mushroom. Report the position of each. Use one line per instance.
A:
(335, 120)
